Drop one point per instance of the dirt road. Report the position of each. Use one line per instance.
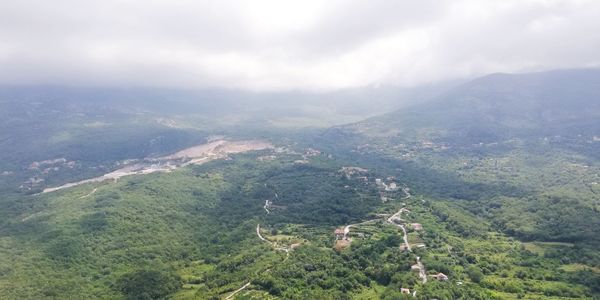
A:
(422, 274)
(347, 227)
(237, 291)
(89, 194)
(398, 216)
(258, 233)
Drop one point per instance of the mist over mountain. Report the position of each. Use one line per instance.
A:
(502, 106)
(281, 149)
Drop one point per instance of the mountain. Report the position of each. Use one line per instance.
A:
(519, 150)
(503, 106)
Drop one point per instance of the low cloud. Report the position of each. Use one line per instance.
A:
(280, 45)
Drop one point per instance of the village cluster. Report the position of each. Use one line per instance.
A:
(385, 187)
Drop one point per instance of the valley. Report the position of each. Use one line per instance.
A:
(300, 150)
(415, 204)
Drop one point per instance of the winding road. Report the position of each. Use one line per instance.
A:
(258, 233)
(398, 216)
(405, 237)
(237, 291)
(347, 227)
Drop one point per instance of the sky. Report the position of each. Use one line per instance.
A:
(275, 45)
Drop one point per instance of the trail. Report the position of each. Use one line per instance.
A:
(89, 194)
(237, 291)
(266, 207)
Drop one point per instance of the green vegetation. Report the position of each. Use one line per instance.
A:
(192, 234)
(509, 208)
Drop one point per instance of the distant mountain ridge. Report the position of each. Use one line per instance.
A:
(502, 106)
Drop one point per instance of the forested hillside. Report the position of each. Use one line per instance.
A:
(197, 233)
(518, 150)
(487, 191)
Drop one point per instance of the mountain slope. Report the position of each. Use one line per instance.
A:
(522, 151)
(502, 106)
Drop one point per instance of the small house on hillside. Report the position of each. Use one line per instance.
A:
(440, 276)
(404, 291)
(339, 233)
(416, 226)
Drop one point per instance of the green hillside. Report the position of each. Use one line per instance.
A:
(494, 184)
(192, 234)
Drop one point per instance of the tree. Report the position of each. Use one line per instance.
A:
(149, 284)
(475, 274)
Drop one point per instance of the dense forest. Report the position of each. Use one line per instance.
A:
(193, 234)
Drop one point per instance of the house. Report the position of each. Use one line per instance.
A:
(440, 276)
(339, 233)
(416, 226)
(403, 247)
(415, 268)
(392, 187)
(404, 291)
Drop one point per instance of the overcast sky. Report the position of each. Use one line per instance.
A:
(279, 45)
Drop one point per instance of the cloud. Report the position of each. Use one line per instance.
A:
(278, 45)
